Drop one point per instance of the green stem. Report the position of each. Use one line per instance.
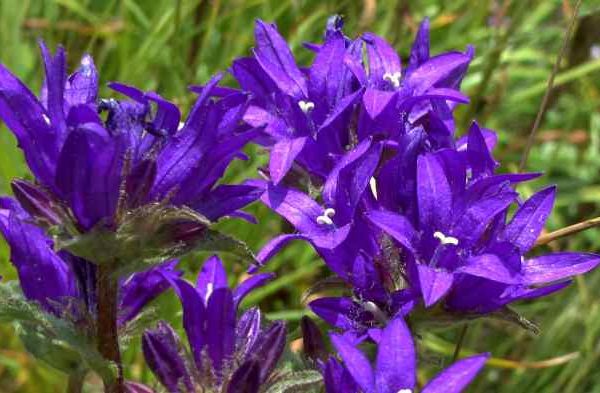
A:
(107, 333)
(461, 339)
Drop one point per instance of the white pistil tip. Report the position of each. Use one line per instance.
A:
(405, 391)
(394, 78)
(329, 212)
(373, 184)
(306, 106)
(445, 239)
(180, 126)
(324, 220)
(46, 118)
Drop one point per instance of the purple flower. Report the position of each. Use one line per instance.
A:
(63, 284)
(394, 370)
(303, 113)
(138, 145)
(461, 240)
(227, 351)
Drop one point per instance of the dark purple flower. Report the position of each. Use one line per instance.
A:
(394, 370)
(137, 144)
(226, 349)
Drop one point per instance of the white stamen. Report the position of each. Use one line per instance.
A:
(394, 78)
(180, 126)
(373, 184)
(209, 289)
(445, 239)
(306, 106)
(46, 118)
(324, 220)
(405, 391)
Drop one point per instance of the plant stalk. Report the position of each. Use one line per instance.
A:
(75, 383)
(106, 327)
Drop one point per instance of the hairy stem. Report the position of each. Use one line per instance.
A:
(106, 328)
(75, 383)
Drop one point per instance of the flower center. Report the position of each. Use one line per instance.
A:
(325, 218)
(445, 239)
(306, 106)
(393, 78)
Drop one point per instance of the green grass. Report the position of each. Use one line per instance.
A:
(165, 45)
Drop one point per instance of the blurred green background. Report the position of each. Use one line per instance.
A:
(164, 45)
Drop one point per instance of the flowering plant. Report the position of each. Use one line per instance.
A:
(415, 223)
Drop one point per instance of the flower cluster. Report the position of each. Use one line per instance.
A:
(364, 162)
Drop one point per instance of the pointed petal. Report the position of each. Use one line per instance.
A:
(268, 348)
(396, 358)
(435, 283)
(274, 55)
(302, 211)
(528, 222)
(557, 266)
(375, 101)
(492, 267)
(247, 330)
(82, 85)
(337, 311)
(194, 316)
(480, 158)
(92, 186)
(337, 379)
(419, 52)
(272, 247)
(382, 58)
(246, 379)
(433, 193)
(220, 327)
(161, 348)
(350, 177)
(56, 75)
(356, 363)
(141, 288)
(250, 284)
(225, 199)
(445, 70)
(456, 377)
(283, 154)
(211, 277)
(44, 277)
(395, 225)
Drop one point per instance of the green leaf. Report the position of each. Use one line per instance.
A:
(299, 381)
(150, 235)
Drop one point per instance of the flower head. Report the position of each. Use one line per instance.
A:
(226, 350)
